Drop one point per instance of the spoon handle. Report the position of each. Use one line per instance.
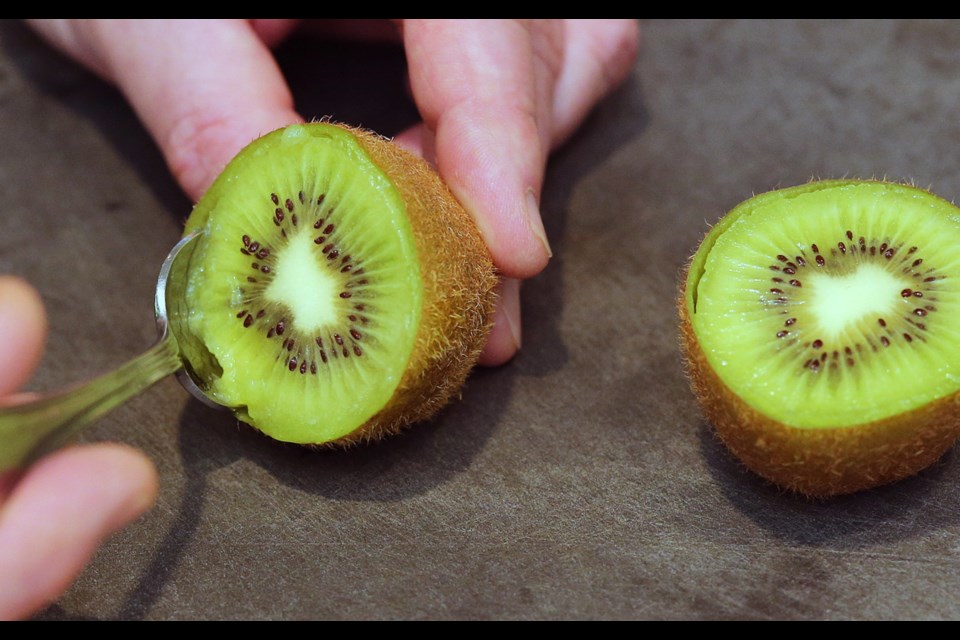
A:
(29, 430)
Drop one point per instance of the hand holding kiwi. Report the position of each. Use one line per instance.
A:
(822, 335)
(495, 97)
(340, 292)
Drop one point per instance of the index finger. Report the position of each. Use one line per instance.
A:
(203, 88)
(485, 89)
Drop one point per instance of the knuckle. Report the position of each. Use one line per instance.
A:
(189, 142)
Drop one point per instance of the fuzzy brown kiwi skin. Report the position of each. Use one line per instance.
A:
(818, 463)
(460, 285)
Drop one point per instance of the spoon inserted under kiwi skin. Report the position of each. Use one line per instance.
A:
(32, 429)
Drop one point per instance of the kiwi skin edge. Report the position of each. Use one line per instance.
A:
(818, 463)
(460, 285)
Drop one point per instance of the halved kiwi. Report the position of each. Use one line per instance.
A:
(339, 292)
(821, 329)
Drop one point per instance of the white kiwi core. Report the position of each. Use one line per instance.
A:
(839, 302)
(298, 270)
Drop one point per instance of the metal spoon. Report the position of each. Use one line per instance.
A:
(28, 431)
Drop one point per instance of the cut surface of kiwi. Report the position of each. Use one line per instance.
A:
(339, 291)
(821, 330)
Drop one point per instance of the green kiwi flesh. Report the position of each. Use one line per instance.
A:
(307, 291)
(821, 327)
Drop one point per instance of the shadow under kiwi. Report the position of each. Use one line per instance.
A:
(912, 507)
(394, 469)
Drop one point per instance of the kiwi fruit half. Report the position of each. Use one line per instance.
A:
(821, 328)
(339, 292)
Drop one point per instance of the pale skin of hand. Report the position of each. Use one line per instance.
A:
(53, 515)
(496, 96)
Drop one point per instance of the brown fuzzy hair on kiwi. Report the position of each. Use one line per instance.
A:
(818, 463)
(459, 284)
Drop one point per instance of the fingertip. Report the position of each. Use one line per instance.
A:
(61, 509)
(514, 233)
(493, 164)
(23, 330)
(520, 252)
(506, 335)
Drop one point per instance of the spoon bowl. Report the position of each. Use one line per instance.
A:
(171, 313)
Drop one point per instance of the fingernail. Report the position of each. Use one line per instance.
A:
(510, 296)
(535, 222)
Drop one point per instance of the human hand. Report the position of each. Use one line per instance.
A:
(495, 96)
(53, 515)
